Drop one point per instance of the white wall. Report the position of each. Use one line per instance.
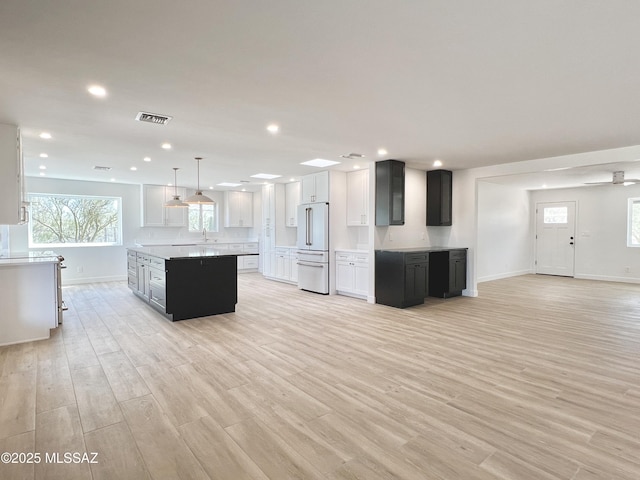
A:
(505, 232)
(601, 251)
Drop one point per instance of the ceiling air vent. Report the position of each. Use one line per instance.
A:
(104, 169)
(353, 156)
(153, 118)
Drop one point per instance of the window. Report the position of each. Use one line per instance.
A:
(633, 227)
(74, 220)
(203, 217)
(555, 214)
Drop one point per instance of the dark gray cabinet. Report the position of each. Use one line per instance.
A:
(390, 193)
(439, 194)
(447, 273)
(402, 279)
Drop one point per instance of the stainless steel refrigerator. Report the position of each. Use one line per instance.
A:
(313, 247)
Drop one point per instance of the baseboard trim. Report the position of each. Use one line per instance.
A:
(500, 276)
(80, 281)
(606, 278)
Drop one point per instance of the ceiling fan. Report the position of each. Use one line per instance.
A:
(618, 179)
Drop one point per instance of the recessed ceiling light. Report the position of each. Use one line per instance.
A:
(292, 179)
(169, 184)
(97, 90)
(210, 188)
(42, 167)
(356, 167)
(166, 146)
(437, 163)
(46, 135)
(319, 162)
(42, 174)
(147, 159)
(113, 179)
(266, 176)
(244, 189)
(273, 128)
(382, 151)
(133, 169)
(229, 184)
(44, 155)
(544, 185)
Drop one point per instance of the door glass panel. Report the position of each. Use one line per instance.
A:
(555, 215)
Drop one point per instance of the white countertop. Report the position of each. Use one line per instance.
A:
(29, 258)
(352, 250)
(174, 252)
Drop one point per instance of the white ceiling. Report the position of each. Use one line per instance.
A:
(471, 83)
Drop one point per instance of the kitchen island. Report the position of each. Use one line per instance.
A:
(185, 282)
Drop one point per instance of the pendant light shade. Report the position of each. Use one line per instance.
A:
(198, 198)
(175, 201)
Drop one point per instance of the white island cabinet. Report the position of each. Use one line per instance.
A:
(30, 297)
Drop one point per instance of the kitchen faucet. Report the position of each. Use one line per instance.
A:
(204, 234)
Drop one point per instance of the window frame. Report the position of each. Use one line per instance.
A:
(630, 221)
(216, 217)
(58, 245)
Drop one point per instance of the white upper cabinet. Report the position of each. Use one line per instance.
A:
(315, 187)
(291, 202)
(155, 214)
(13, 208)
(358, 198)
(238, 209)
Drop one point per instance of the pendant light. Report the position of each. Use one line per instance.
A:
(175, 201)
(198, 198)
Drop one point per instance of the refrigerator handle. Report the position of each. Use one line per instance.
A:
(309, 232)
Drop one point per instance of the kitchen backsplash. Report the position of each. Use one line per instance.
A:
(177, 235)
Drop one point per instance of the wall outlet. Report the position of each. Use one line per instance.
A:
(390, 237)
(627, 269)
(423, 235)
(79, 269)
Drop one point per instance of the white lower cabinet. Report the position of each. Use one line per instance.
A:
(247, 262)
(293, 269)
(283, 265)
(352, 273)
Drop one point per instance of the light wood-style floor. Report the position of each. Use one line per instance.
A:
(536, 379)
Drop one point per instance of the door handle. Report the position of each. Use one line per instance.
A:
(570, 243)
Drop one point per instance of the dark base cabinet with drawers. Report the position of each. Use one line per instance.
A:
(404, 277)
(183, 288)
(447, 273)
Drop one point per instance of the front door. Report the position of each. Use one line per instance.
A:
(555, 238)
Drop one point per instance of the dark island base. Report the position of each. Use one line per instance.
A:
(201, 287)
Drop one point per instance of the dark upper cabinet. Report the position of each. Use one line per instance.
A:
(390, 192)
(439, 198)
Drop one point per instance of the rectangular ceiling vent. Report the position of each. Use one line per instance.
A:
(153, 118)
(104, 169)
